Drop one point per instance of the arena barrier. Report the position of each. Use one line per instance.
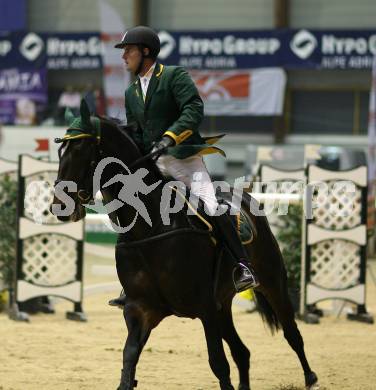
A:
(49, 253)
(287, 189)
(334, 242)
(333, 264)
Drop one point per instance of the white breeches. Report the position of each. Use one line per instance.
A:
(193, 173)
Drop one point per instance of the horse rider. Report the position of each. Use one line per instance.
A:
(164, 105)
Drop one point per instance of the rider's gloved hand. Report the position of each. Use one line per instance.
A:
(163, 144)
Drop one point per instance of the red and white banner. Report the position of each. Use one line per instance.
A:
(253, 92)
(115, 77)
(36, 141)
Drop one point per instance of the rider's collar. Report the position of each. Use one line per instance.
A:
(149, 73)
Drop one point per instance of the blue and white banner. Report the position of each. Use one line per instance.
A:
(74, 51)
(331, 49)
(221, 49)
(22, 50)
(54, 51)
(289, 49)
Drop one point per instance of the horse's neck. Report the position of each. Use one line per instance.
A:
(126, 214)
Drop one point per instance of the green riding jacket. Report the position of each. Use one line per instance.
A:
(172, 107)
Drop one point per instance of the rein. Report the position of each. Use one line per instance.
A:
(149, 156)
(85, 196)
(80, 134)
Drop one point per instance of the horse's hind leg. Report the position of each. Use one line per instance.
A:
(139, 329)
(239, 351)
(217, 358)
(283, 308)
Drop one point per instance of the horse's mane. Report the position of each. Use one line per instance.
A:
(125, 131)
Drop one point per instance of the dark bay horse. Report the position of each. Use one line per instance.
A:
(168, 270)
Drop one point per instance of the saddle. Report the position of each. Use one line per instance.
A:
(197, 218)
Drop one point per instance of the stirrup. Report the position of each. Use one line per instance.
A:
(247, 279)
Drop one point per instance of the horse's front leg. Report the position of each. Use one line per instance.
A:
(139, 323)
(217, 357)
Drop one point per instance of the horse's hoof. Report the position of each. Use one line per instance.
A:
(244, 387)
(227, 387)
(311, 381)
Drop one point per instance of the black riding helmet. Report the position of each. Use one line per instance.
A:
(142, 36)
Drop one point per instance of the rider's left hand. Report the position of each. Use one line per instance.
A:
(163, 144)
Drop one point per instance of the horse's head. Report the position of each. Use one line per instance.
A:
(88, 140)
(78, 157)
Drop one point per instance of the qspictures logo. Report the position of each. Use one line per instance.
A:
(132, 185)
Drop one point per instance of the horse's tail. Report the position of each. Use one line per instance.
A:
(266, 311)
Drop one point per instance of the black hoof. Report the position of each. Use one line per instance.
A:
(310, 379)
(127, 386)
(244, 387)
(226, 385)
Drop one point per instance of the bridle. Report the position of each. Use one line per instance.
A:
(85, 195)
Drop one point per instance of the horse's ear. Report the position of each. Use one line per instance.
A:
(68, 116)
(85, 113)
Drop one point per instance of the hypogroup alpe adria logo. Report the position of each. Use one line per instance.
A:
(31, 46)
(303, 44)
(167, 44)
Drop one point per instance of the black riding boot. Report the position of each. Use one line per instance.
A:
(119, 301)
(243, 277)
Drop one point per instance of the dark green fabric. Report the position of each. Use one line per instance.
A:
(172, 104)
(245, 229)
(85, 123)
(80, 126)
